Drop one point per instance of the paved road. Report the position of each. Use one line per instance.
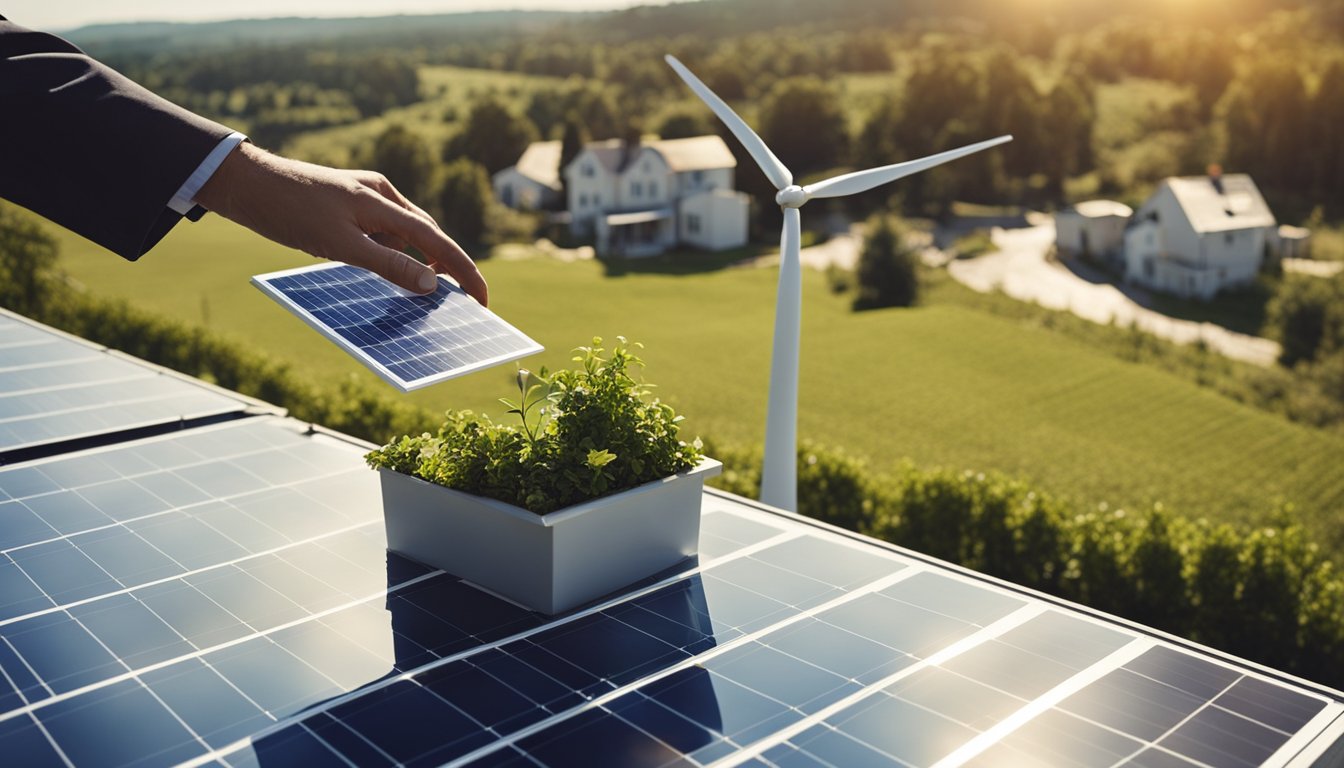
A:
(1019, 269)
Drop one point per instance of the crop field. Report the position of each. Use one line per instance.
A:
(944, 385)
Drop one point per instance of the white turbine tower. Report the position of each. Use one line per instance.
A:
(779, 475)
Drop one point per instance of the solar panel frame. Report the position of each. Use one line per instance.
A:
(447, 291)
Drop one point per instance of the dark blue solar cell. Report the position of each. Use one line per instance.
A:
(839, 651)
(608, 649)
(835, 748)
(63, 572)
(196, 617)
(22, 743)
(721, 705)
(503, 758)
(840, 565)
(120, 724)
(19, 675)
(1156, 758)
(896, 624)
(574, 678)
(664, 724)
(1218, 737)
(1197, 677)
(786, 586)
(350, 745)
(288, 746)
(901, 729)
(427, 631)
(121, 500)
(408, 722)
(206, 703)
(26, 481)
(66, 512)
(781, 677)
(483, 697)
(955, 697)
(596, 738)
(19, 526)
(131, 631)
(272, 677)
(673, 633)
(527, 680)
(125, 556)
(942, 594)
(1270, 704)
(62, 653)
(789, 756)
(1133, 704)
(469, 609)
(1063, 739)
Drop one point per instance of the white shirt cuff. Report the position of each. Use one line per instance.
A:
(185, 199)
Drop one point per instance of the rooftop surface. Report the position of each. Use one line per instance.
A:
(221, 594)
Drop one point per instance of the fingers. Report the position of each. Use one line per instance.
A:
(426, 237)
(389, 240)
(394, 266)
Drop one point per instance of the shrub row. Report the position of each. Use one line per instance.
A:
(1266, 594)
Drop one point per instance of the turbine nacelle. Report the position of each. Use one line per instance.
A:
(792, 196)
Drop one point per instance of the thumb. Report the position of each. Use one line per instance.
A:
(393, 266)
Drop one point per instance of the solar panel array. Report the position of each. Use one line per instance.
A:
(56, 388)
(411, 341)
(223, 596)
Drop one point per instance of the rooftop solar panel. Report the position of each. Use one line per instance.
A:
(223, 596)
(411, 341)
(56, 388)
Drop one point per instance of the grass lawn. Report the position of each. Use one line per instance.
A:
(944, 384)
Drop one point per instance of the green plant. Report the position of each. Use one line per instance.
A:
(582, 433)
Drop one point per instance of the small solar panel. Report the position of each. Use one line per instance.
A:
(411, 341)
(56, 388)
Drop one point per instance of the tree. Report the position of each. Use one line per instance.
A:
(464, 199)
(886, 274)
(27, 256)
(404, 158)
(1327, 146)
(1307, 317)
(572, 138)
(802, 122)
(685, 122)
(493, 136)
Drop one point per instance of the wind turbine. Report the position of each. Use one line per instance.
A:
(779, 475)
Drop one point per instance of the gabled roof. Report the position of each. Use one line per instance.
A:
(1094, 209)
(1220, 204)
(698, 153)
(541, 163)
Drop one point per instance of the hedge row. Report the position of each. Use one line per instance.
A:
(1266, 594)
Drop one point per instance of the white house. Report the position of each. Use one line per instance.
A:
(533, 183)
(1197, 235)
(639, 200)
(1093, 228)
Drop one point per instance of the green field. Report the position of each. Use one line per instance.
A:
(944, 385)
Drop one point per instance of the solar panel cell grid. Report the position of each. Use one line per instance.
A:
(182, 599)
(412, 341)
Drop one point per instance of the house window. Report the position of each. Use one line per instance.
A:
(583, 201)
(1148, 238)
(692, 223)
(653, 189)
(636, 189)
(588, 171)
(597, 200)
(1227, 238)
(697, 176)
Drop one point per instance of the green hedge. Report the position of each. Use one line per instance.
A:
(1266, 594)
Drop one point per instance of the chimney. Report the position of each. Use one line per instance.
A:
(1216, 177)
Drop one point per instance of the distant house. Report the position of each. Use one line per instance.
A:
(1198, 235)
(1292, 242)
(1093, 228)
(641, 199)
(534, 182)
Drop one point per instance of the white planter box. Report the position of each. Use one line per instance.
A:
(552, 562)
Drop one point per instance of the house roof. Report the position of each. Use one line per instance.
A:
(540, 162)
(698, 153)
(1230, 202)
(1095, 209)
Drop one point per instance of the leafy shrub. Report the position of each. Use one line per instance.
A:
(595, 432)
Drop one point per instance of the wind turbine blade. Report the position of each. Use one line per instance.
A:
(862, 181)
(774, 169)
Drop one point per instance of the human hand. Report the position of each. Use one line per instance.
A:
(357, 217)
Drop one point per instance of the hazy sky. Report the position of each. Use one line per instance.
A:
(67, 14)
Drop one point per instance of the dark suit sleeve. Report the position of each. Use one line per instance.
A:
(87, 148)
